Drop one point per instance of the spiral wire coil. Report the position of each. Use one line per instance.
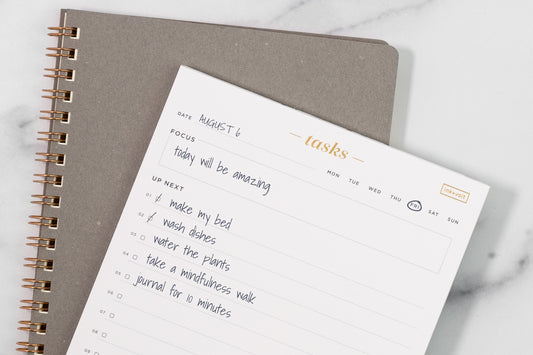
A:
(42, 221)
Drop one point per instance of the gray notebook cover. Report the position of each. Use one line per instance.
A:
(124, 68)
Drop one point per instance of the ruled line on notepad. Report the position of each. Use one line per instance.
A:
(117, 346)
(145, 334)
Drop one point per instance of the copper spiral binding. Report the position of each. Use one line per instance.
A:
(49, 243)
(59, 159)
(40, 306)
(30, 326)
(62, 116)
(64, 31)
(61, 52)
(44, 221)
(53, 137)
(47, 200)
(30, 347)
(49, 179)
(43, 285)
(58, 94)
(60, 73)
(37, 263)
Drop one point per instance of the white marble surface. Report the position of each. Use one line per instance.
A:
(464, 100)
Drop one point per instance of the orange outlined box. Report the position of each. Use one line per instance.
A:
(455, 193)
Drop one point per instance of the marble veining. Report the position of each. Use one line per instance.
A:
(292, 8)
(471, 285)
(383, 15)
(379, 10)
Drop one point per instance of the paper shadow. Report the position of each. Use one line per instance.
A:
(471, 280)
(401, 97)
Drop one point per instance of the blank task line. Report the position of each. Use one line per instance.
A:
(117, 346)
(147, 335)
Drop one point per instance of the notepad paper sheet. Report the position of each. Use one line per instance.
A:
(254, 228)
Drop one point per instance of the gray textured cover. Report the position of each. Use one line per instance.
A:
(123, 72)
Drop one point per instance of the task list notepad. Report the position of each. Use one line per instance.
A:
(254, 228)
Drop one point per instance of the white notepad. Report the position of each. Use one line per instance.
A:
(254, 228)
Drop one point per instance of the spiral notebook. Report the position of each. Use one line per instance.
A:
(112, 76)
